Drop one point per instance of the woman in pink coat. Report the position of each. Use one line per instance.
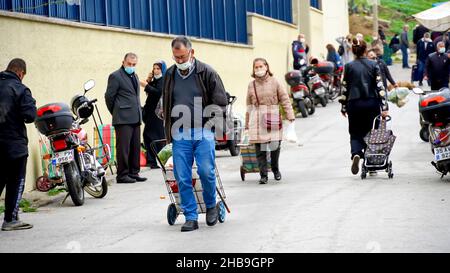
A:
(264, 97)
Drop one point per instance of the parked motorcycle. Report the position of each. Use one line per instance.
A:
(302, 99)
(317, 89)
(435, 110)
(73, 162)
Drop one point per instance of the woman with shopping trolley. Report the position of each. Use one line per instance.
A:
(364, 99)
(263, 119)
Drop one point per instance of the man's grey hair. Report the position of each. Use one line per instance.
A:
(439, 44)
(181, 41)
(130, 55)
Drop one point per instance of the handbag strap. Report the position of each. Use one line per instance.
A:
(256, 94)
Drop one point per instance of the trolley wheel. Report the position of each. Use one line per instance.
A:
(363, 173)
(222, 211)
(242, 174)
(390, 173)
(172, 214)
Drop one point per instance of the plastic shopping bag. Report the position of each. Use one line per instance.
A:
(165, 153)
(289, 133)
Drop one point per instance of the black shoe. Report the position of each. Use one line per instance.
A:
(277, 175)
(355, 164)
(212, 215)
(189, 226)
(263, 180)
(137, 178)
(126, 180)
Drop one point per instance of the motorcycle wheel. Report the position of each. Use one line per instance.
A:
(424, 134)
(99, 191)
(337, 91)
(302, 108)
(310, 106)
(74, 183)
(323, 101)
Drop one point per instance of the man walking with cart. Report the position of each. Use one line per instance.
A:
(190, 89)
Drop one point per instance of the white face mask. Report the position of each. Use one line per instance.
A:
(302, 40)
(184, 66)
(157, 77)
(260, 72)
(442, 50)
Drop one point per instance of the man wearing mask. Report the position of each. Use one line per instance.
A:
(299, 50)
(192, 88)
(404, 46)
(123, 102)
(425, 47)
(17, 107)
(437, 68)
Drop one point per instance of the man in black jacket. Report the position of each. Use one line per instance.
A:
(17, 107)
(123, 102)
(192, 92)
(425, 47)
(437, 68)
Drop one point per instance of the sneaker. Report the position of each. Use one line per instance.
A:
(15, 225)
(355, 164)
(263, 180)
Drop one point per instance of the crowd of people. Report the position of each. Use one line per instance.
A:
(182, 103)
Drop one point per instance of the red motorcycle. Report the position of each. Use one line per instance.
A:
(73, 162)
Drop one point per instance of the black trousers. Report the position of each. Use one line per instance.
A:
(361, 114)
(13, 172)
(261, 154)
(128, 149)
(438, 84)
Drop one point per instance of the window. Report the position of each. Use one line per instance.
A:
(316, 4)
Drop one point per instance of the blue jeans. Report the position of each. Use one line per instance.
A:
(187, 145)
(404, 49)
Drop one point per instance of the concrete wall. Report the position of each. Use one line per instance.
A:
(335, 19)
(62, 55)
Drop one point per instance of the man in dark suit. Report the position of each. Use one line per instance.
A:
(123, 102)
(425, 47)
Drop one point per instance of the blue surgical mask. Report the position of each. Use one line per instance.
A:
(129, 69)
(442, 50)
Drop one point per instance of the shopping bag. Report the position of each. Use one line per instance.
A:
(289, 133)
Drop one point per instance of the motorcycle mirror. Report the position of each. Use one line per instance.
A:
(89, 85)
(418, 91)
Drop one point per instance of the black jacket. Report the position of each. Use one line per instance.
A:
(422, 52)
(363, 80)
(385, 73)
(154, 128)
(17, 107)
(207, 80)
(437, 68)
(122, 98)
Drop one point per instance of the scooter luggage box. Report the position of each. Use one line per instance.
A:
(324, 68)
(435, 107)
(293, 78)
(53, 117)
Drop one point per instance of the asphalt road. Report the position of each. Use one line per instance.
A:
(319, 206)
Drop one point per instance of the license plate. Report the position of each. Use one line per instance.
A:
(442, 153)
(298, 95)
(62, 157)
(320, 91)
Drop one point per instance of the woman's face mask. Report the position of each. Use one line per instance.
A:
(157, 77)
(261, 72)
(441, 50)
